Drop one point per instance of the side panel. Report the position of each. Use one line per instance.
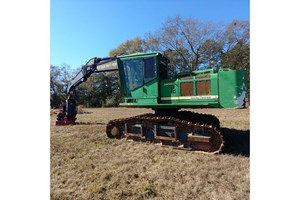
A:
(192, 91)
(233, 89)
(145, 95)
(169, 91)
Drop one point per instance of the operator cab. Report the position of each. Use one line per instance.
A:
(138, 71)
(140, 74)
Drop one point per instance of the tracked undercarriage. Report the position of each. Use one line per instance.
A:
(184, 130)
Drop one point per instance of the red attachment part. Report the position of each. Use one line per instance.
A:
(65, 122)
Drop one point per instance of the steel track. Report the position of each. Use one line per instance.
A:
(183, 130)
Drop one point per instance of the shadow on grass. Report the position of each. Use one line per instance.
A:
(236, 142)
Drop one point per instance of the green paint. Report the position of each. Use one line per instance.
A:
(144, 84)
(233, 89)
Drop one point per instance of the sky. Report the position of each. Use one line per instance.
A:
(80, 30)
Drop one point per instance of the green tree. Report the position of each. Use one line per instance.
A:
(55, 86)
(128, 47)
(59, 77)
(98, 89)
(236, 45)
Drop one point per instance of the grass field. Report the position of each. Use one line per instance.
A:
(85, 164)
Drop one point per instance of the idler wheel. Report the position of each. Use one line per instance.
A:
(114, 132)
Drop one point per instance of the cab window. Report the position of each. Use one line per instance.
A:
(149, 69)
(133, 73)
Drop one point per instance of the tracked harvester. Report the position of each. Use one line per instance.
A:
(145, 83)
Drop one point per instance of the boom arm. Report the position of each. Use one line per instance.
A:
(68, 112)
(94, 65)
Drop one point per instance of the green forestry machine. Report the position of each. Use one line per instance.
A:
(145, 83)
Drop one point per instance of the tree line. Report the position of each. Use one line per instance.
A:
(190, 44)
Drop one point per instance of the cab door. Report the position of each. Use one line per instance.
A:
(132, 70)
(150, 86)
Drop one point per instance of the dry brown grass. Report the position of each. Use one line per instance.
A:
(53, 111)
(85, 164)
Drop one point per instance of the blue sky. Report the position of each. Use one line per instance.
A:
(80, 30)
